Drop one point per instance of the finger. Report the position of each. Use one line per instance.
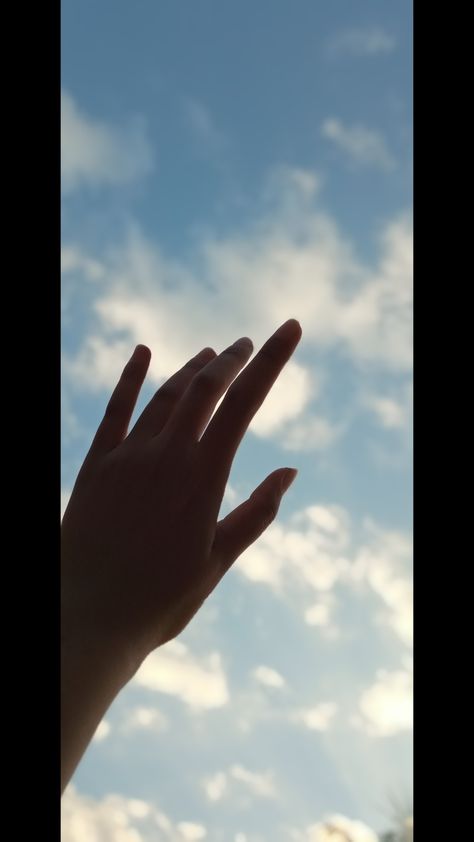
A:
(241, 528)
(114, 425)
(162, 404)
(199, 401)
(227, 428)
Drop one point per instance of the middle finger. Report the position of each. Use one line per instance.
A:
(226, 430)
(200, 398)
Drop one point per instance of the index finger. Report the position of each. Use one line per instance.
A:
(247, 393)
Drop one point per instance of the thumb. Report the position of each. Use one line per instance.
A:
(241, 527)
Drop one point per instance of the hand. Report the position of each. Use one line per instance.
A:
(141, 546)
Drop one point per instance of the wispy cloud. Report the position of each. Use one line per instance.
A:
(142, 718)
(95, 153)
(362, 146)
(390, 413)
(203, 126)
(361, 42)
(305, 267)
(237, 779)
(317, 718)
(268, 677)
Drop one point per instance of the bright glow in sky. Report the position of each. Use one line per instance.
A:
(226, 166)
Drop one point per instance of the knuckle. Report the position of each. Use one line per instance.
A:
(270, 510)
(234, 352)
(273, 350)
(167, 392)
(238, 400)
(115, 406)
(193, 366)
(205, 381)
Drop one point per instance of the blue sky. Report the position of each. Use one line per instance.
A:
(226, 166)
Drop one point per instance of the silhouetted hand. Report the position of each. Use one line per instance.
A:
(141, 544)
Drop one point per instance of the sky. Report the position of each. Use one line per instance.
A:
(226, 166)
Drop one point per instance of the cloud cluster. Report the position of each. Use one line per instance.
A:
(291, 260)
(336, 828)
(115, 818)
(316, 550)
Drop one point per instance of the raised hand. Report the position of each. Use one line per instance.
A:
(141, 544)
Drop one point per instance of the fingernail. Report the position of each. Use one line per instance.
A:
(140, 349)
(205, 354)
(287, 478)
(244, 343)
(289, 329)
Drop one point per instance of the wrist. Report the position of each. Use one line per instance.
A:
(96, 655)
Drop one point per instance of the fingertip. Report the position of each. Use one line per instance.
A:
(142, 352)
(206, 355)
(290, 331)
(287, 478)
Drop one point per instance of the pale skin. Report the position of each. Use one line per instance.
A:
(141, 544)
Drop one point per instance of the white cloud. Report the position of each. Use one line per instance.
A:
(363, 146)
(199, 682)
(191, 831)
(237, 778)
(310, 433)
(215, 786)
(317, 550)
(268, 676)
(359, 42)
(392, 411)
(305, 268)
(102, 731)
(144, 718)
(384, 564)
(380, 316)
(320, 615)
(99, 363)
(287, 399)
(303, 553)
(260, 784)
(317, 718)
(94, 153)
(115, 818)
(259, 564)
(336, 828)
(389, 412)
(73, 259)
(386, 707)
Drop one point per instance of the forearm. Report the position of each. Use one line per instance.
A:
(91, 677)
